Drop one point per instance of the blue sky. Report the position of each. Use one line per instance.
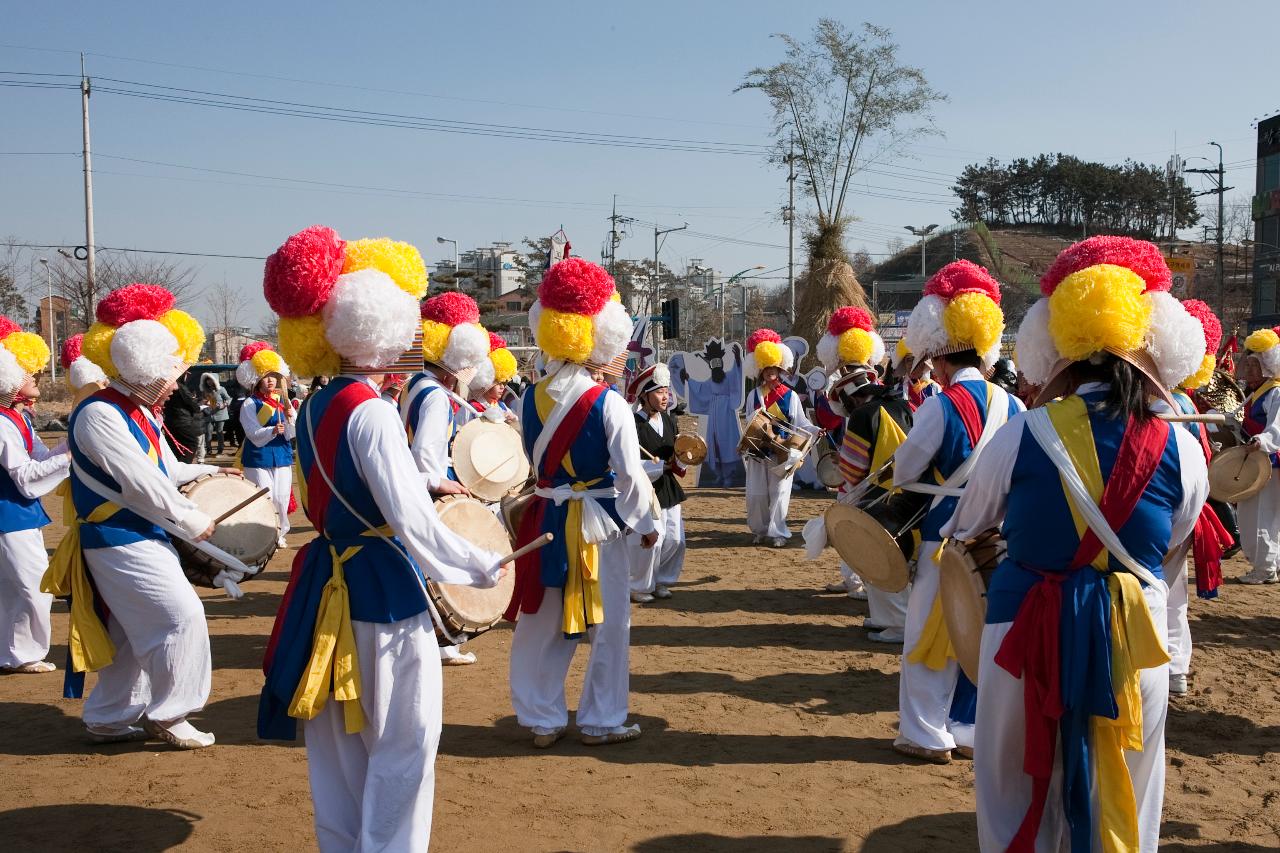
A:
(1099, 80)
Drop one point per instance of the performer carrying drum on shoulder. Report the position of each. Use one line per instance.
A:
(1259, 515)
(1092, 489)
(957, 326)
(654, 570)
(590, 486)
(353, 652)
(768, 488)
(454, 346)
(152, 655)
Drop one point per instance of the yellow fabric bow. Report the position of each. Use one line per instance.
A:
(333, 658)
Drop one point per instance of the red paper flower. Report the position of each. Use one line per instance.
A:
(960, 277)
(848, 318)
(249, 350)
(299, 276)
(576, 286)
(1212, 326)
(451, 309)
(134, 302)
(71, 350)
(496, 341)
(7, 327)
(1139, 256)
(762, 335)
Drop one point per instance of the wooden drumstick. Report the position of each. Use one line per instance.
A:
(532, 546)
(244, 503)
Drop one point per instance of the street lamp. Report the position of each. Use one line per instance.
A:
(922, 233)
(442, 241)
(48, 280)
(732, 279)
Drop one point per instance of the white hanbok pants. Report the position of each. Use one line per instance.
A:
(24, 609)
(1004, 790)
(887, 608)
(1179, 624)
(162, 667)
(540, 656)
(768, 499)
(374, 790)
(1259, 520)
(661, 564)
(279, 481)
(924, 694)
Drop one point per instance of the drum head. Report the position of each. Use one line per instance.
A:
(690, 449)
(250, 535)
(867, 548)
(1238, 473)
(962, 592)
(828, 468)
(489, 458)
(476, 610)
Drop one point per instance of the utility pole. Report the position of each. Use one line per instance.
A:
(1219, 176)
(791, 229)
(923, 234)
(655, 289)
(90, 279)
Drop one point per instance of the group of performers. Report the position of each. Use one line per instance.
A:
(1099, 501)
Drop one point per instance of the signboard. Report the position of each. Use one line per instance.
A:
(1183, 268)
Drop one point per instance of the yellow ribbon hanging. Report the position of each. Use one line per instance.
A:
(90, 644)
(583, 604)
(1135, 646)
(934, 647)
(333, 660)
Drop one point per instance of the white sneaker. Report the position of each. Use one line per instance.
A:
(836, 587)
(662, 592)
(758, 539)
(1260, 576)
(280, 543)
(778, 542)
(858, 593)
(1177, 685)
(641, 597)
(888, 635)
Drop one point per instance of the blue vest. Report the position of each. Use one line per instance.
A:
(589, 458)
(413, 415)
(1182, 403)
(953, 451)
(276, 453)
(17, 511)
(124, 527)
(1038, 526)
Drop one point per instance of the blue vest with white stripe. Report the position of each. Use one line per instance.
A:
(413, 415)
(277, 452)
(1038, 526)
(17, 511)
(124, 527)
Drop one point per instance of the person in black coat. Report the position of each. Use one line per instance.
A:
(654, 570)
(184, 421)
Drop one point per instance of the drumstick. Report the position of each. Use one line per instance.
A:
(1213, 418)
(532, 546)
(244, 503)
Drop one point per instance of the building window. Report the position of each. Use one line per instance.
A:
(1270, 173)
(1267, 294)
(1269, 236)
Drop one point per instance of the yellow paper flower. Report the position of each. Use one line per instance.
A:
(187, 330)
(435, 338)
(399, 260)
(304, 346)
(96, 346)
(504, 365)
(974, 319)
(1098, 308)
(768, 354)
(1261, 340)
(267, 361)
(1201, 377)
(29, 349)
(565, 336)
(855, 346)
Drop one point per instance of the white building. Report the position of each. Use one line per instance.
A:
(486, 273)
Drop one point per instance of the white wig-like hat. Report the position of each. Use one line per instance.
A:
(579, 317)
(141, 339)
(1109, 295)
(850, 339)
(960, 311)
(452, 336)
(22, 355)
(499, 368)
(1264, 345)
(79, 370)
(765, 349)
(653, 377)
(257, 361)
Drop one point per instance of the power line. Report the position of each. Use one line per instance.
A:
(137, 251)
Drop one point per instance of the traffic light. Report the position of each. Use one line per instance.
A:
(670, 319)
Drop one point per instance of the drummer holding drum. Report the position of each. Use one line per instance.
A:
(654, 570)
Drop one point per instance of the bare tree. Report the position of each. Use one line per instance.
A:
(224, 314)
(846, 102)
(114, 270)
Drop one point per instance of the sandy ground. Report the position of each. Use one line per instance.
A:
(767, 719)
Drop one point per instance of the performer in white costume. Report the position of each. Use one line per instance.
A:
(654, 570)
(152, 656)
(28, 471)
(353, 652)
(1259, 515)
(768, 490)
(591, 485)
(268, 423)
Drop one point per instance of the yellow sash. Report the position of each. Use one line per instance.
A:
(1261, 389)
(90, 644)
(1135, 645)
(333, 658)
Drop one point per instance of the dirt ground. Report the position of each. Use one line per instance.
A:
(767, 720)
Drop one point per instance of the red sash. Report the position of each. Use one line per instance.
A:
(134, 411)
(527, 597)
(775, 394)
(967, 408)
(24, 428)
